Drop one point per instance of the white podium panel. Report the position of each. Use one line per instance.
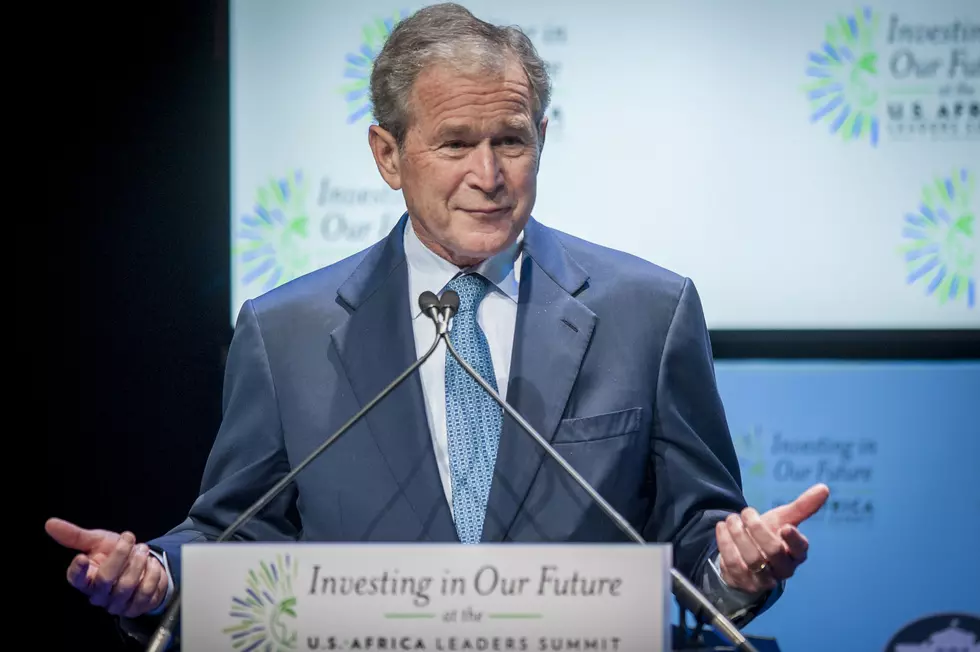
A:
(257, 597)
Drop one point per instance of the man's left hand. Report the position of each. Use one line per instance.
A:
(757, 551)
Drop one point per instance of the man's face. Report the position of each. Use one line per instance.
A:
(468, 167)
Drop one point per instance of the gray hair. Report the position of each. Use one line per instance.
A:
(448, 34)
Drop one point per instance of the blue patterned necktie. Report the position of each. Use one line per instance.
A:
(473, 418)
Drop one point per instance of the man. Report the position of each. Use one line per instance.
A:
(604, 354)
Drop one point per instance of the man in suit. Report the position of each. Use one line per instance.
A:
(606, 355)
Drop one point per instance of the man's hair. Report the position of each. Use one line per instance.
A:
(448, 34)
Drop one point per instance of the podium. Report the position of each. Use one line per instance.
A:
(444, 597)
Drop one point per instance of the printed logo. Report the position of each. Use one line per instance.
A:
(751, 454)
(271, 242)
(357, 93)
(751, 450)
(265, 612)
(299, 223)
(875, 78)
(844, 70)
(938, 633)
(940, 250)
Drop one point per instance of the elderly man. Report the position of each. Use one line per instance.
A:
(606, 355)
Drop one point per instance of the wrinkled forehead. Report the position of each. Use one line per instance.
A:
(462, 100)
(481, 126)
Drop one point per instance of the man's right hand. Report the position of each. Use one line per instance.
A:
(112, 569)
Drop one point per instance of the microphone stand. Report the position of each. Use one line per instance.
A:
(682, 587)
(164, 632)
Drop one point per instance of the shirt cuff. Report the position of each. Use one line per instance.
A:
(162, 558)
(732, 602)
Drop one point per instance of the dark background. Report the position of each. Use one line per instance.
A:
(139, 175)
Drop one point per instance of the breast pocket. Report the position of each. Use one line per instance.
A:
(599, 427)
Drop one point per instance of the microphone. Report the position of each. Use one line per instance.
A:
(429, 304)
(450, 303)
(685, 591)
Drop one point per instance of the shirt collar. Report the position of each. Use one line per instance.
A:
(429, 271)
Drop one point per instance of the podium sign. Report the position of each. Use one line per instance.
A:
(442, 597)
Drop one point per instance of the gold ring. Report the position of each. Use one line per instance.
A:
(762, 567)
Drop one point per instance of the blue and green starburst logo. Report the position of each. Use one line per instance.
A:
(264, 610)
(271, 240)
(750, 448)
(842, 74)
(940, 250)
(357, 92)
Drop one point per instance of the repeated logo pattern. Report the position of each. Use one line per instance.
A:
(357, 92)
(270, 241)
(842, 72)
(940, 250)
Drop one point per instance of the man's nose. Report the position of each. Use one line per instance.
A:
(485, 173)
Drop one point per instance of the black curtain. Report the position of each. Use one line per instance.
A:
(136, 124)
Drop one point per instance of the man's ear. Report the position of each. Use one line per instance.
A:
(386, 156)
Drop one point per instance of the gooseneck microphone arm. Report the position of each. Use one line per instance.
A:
(429, 304)
(699, 605)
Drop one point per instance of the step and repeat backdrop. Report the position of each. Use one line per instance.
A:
(893, 563)
(810, 164)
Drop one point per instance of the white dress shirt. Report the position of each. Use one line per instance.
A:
(496, 315)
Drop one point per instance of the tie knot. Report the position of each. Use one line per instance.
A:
(471, 289)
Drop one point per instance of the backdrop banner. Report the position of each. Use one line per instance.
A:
(809, 164)
(898, 444)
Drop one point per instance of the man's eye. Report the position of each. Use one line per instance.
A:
(455, 144)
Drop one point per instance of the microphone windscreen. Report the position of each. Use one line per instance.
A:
(428, 300)
(450, 300)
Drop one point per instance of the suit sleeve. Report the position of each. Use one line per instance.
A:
(697, 478)
(247, 459)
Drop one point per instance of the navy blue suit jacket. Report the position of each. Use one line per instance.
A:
(611, 363)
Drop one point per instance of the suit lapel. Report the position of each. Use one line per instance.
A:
(551, 337)
(376, 344)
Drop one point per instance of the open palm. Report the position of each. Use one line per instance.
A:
(111, 569)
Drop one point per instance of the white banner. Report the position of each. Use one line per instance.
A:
(444, 597)
(808, 164)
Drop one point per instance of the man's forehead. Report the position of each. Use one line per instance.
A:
(449, 101)
(441, 84)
